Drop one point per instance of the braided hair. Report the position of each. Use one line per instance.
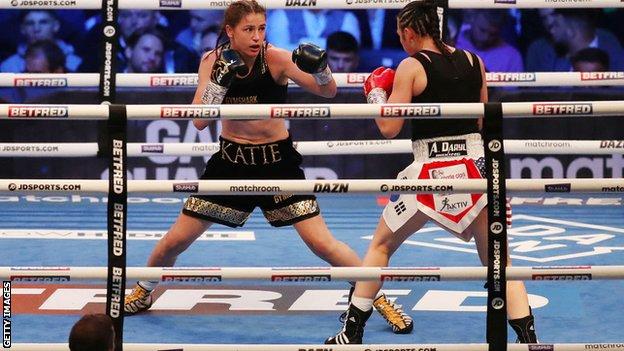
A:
(422, 17)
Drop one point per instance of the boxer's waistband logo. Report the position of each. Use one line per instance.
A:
(250, 155)
(448, 148)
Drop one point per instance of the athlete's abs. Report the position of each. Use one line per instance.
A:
(254, 132)
(261, 87)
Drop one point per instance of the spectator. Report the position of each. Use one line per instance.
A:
(483, 37)
(342, 52)
(44, 56)
(541, 49)
(92, 332)
(292, 27)
(590, 60)
(571, 31)
(130, 21)
(176, 59)
(145, 52)
(200, 21)
(378, 29)
(209, 38)
(39, 25)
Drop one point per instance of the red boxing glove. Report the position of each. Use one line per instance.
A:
(378, 85)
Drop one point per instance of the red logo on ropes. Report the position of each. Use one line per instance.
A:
(189, 112)
(355, 78)
(40, 82)
(562, 109)
(410, 110)
(168, 81)
(288, 111)
(602, 75)
(38, 111)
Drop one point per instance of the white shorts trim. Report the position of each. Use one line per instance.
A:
(430, 154)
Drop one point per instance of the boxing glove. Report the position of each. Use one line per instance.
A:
(312, 59)
(225, 68)
(378, 85)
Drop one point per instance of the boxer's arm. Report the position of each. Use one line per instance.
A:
(281, 60)
(484, 91)
(205, 67)
(407, 83)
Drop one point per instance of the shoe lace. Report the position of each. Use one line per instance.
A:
(390, 311)
(138, 293)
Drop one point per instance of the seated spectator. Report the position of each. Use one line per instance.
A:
(537, 49)
(209, 39)
(130, 21)
(176, 59)
(44, 56)
(145, 52)
(590, 60)
(200, 21)
(92, 332)
(37, 25)
(289, 28)
(342, 52)
(482, 35)
(571, 31)
(378, 29)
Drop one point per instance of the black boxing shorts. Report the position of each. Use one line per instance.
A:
(277, 160)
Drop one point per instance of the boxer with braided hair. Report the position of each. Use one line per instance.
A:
(434, 72)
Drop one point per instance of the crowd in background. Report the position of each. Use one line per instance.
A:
(357, 40)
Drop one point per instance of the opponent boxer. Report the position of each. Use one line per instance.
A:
(443, 149)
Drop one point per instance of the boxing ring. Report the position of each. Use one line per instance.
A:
(260, 288)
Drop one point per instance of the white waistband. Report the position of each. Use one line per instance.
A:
(448, 147)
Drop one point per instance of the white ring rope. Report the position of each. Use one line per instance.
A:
(300, 4)
(356, 186)
(343, 80)
(314, 111)
(310, 274)
(311, 148)
(363, 347)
